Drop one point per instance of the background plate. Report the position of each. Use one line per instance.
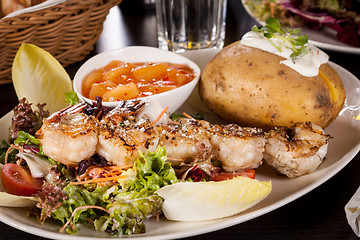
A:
(324, 38)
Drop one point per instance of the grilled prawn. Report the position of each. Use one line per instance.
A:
(187, 139)
(234, 147)
(296, 151)
(122, 136)
(69, 135)
(238, 148)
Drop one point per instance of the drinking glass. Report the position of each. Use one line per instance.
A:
(190, 24)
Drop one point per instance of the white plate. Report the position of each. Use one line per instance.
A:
(324, 38)
(345, 144)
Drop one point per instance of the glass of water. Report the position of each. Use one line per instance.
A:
(190, 24)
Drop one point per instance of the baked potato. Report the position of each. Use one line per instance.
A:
(249, 86)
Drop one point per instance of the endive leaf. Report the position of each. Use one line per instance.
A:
(40, 78)
(9, 200)
(199, 201)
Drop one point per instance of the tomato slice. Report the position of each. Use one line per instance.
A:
(250, 173)
(18, 181)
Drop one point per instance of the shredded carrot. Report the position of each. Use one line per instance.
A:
(77, 209)
(7, 154)
(98, 180)
(9, 149)
(114, 167)
(160, 115)
(99, 175)
(272, 6)
(175, 159)
(96, 172)
(78, 178)
(112, 173)
(187, 115)
(173, 122)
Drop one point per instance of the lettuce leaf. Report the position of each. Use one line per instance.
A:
(152, 172)
(79, 196)
(71, 98)
(26, 140)
(128, 212)
(128, 203)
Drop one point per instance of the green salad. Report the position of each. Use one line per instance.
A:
(117, 207)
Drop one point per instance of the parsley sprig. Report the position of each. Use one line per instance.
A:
(289, 39)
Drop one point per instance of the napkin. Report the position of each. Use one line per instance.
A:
(43, 5)
(352, 210)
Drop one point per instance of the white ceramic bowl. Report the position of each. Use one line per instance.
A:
(172, 99)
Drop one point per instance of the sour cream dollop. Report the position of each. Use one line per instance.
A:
(308, 65)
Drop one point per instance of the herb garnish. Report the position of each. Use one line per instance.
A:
(289, 39)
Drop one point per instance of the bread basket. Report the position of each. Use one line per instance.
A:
(68, 31)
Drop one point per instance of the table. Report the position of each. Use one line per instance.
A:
(317, 215)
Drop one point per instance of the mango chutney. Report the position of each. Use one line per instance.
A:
(122, 80)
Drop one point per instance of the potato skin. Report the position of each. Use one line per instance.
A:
(250, 87)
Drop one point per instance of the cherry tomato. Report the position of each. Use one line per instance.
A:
(18, 181)
(250, 173)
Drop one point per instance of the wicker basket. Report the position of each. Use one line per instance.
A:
(68, 31)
